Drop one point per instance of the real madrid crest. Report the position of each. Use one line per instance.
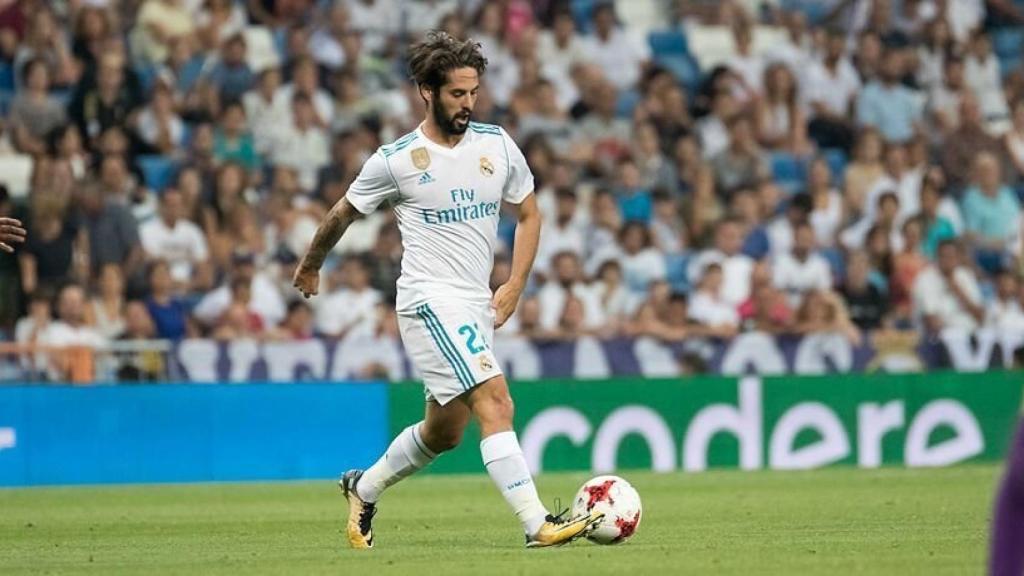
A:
(486, 168)
(485, 363)
(420, 158)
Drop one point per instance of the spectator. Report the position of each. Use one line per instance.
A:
(105, 104)
(616, 302)
(944, 101)
(900, 178)
(667, 231)
(559, 49)
(564, 232)
(736, 266)
(830, 89)
(886, 221)
(782, 229)
(106, 310)
(297, 324)
(931, 55)
(963, 144)
(826, 216)
(887, 105)
(232, 141)
(713, 128)
(239, 322)
(174, 239)
(641, 261)
(34, 114)
(159, 126)
(68, 333)
(567, 283)
(220, 20)
(907, 263)
(1013, 140)
(1004, 312)
(742, 163)
(634, 200)
(231, 76)
(981, 71)
(266, 111)
(866, 301)
(991, 211)
(780, 118)
(45, 41)
(936, 226)
(325, 44)
(823, 312)
(157, 23)
(946, 294)
(265, 299)
(57, 248)
(621, 57)
(766, 309)
(305, 81)
(303, 146)
(607, 135)
(351, 306)
(801, 269)
(168, 313)
(746, 209)
(865, 169)
(748, 66)
(707, 307)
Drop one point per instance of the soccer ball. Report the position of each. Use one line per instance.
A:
(620, 503)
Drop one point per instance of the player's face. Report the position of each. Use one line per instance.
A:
(453, 103)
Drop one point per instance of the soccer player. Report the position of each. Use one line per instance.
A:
(446, 181)
(11, 232)
(1007, 547)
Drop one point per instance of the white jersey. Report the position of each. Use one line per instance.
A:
(447, 202)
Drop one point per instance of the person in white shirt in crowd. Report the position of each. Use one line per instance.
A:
(265, 298)
(1004, 312)
(325, 45)
(566, 282)
(616, 301)
(267, 113)
(899, 177)
(946, 294)
(736, 266)
(981, 71)
(69, 331)
(827, 213)
(713, 128)
(642, 263)
(564, 231)
(159, 125)
(306, 81)
(621, 56)
(706, 305)
(352, 306)
(667, 230)
(173, 238)
(830, 89)
(945, 98)
(782, 227)
(558, 50)
(305, 145)
(748, 66)
(801, 269)
(376, 19)
(931, 55)
(885, 216)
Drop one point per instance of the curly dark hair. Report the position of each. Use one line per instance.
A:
(439, 53)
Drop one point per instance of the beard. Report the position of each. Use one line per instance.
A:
(448, 124)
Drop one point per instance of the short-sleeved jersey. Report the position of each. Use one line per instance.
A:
(447, 202)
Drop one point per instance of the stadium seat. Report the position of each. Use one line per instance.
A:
(834, 256)
(581, 12)
(6, 77)
(667, 43)
(6, 97)
(684, 68)
(157, 171)
(1008, 42)
(836, 159)
(675, 267)
(147, 77)
(788, 171)
(627, 101)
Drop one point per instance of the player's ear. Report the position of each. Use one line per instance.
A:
(426, 93)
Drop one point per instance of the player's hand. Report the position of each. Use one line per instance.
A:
(504, 302)
(11, 232)
(307, 281)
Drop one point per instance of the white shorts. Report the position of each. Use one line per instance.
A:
(449, 343)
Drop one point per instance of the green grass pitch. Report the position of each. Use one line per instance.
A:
(837, 521)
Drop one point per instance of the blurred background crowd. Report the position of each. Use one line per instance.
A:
(704, 167)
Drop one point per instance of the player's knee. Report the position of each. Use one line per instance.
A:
(497, 409)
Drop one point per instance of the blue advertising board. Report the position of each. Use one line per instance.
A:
(188, 432)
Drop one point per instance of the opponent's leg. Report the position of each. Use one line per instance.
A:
(492, 406)
(1007, 554)
(413, 448)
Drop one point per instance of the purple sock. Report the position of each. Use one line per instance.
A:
(1007, 554)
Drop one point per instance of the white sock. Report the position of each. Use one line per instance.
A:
(505, 463)
(406, 454)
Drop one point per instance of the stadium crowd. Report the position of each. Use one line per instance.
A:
(704, 168)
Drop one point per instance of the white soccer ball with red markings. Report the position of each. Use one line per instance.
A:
(620, 503)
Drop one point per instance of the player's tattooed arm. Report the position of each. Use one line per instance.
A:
(338, 219)
(506, 297)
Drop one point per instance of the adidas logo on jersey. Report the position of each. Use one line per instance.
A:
(426, 178)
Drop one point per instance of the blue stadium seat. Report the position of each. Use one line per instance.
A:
(788, 171)
(628, 99)
(1010, 64)
(1008, 42)
(147, 77)
(581, 12)
(6, 77)
(6, 96)
(157, 171)
(684, 68)
(836, 159)
(676, 266)
(668, 43)
(834, 256)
